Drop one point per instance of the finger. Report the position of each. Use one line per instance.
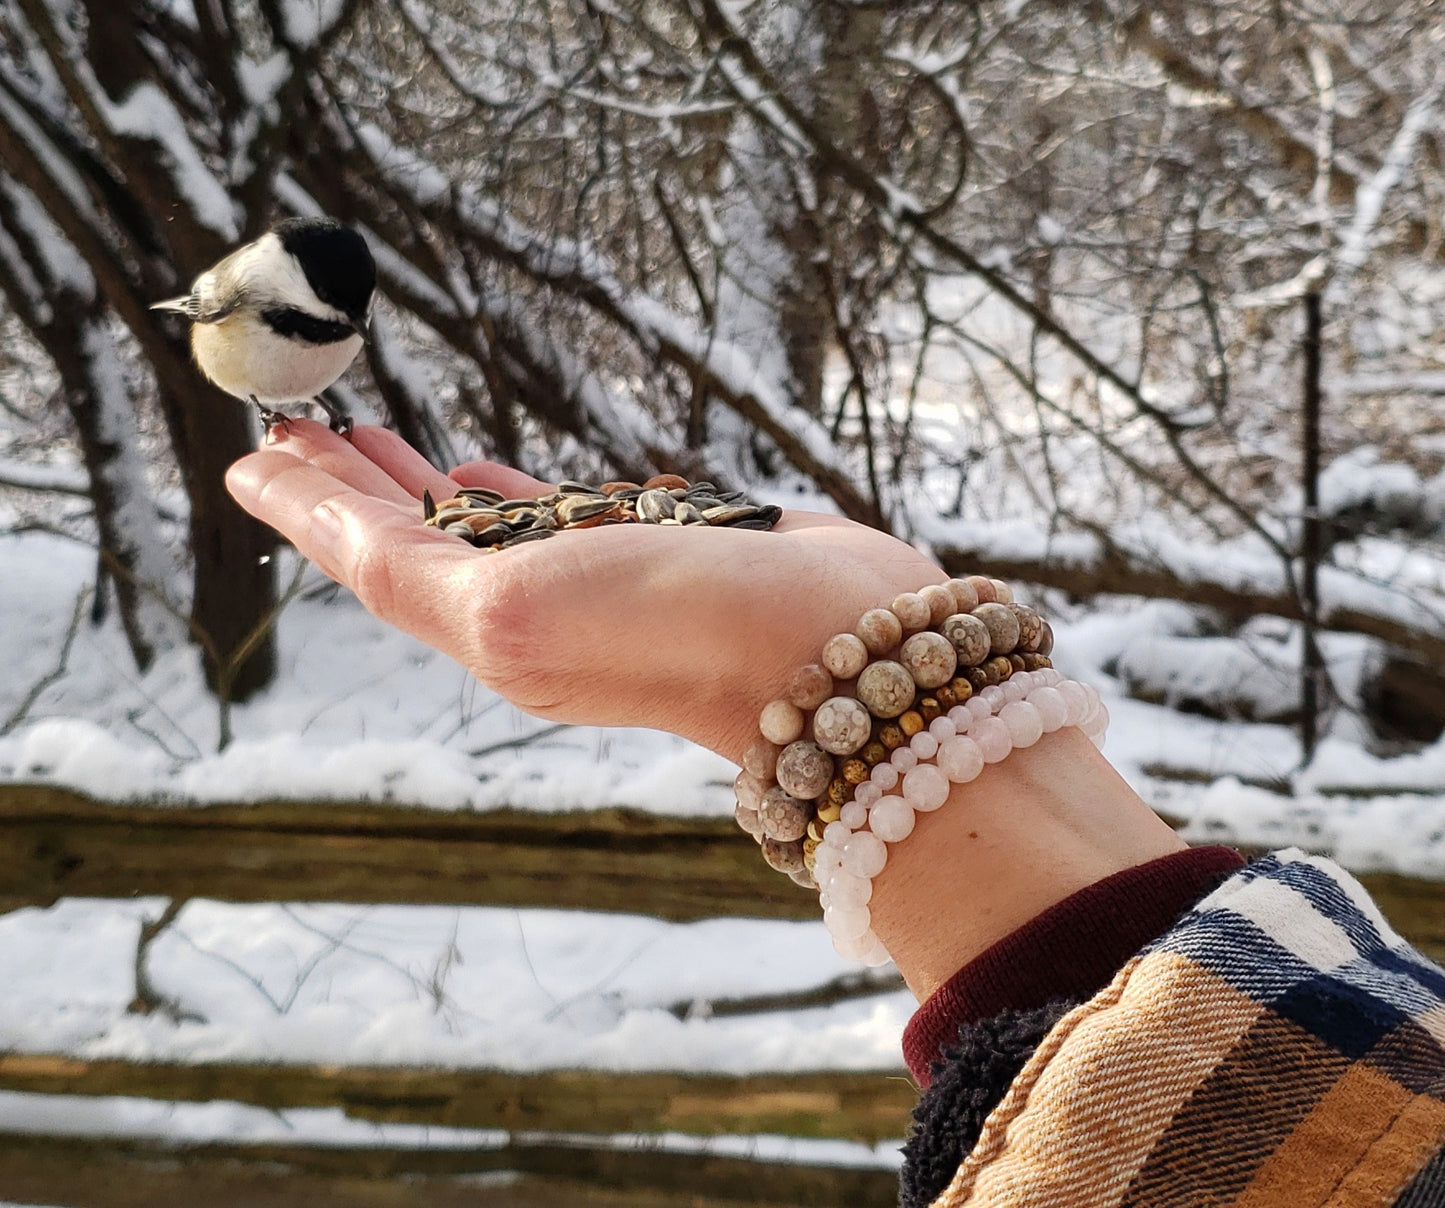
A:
(512, 483)
(402, 462)
(399, 569)
(347, 463)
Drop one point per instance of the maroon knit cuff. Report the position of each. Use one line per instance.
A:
(1071, 950)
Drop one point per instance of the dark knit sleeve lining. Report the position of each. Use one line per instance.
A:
(1070, 951)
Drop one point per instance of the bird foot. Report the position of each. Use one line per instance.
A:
(271, 420)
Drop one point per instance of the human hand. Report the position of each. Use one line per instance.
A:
(690, 630)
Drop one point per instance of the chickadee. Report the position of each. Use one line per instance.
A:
(279, 320)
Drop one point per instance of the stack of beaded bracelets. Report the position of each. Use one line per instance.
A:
(971, 681)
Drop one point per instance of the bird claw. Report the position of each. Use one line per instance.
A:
(271, 420)
(341, 425)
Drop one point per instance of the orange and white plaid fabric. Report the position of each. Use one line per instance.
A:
(1280, 1046)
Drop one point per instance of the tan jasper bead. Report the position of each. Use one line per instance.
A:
(1002, 591)
(841, 725)
(1031, 627)
(879, 630)
(845, 655)
(969, 637)
(1003, 627)
(761, 758)
(912, 611)
(804, 770)
(930, 658)
(784, 817)
(886, 688)
(749, 790)
(940, 602)
(785, 857)
(983, 588)
(810, 686)
(781, 722)
(965, 599)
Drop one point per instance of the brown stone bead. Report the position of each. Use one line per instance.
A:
(879, 630)
(665, 482)
(1037, 662)
(855, 772)
(784, 817)
(781, 722)
(998, 669)
(784, 855)
(912, 611)
(804, 769)
(930, 658)
(845, 655)
(1003, 627)
(962, 690)
(840, 792)
(945, 695)
(965, 599)
(911, 722)
(761, 758)
(1016, 661)
(829, 811)
(891, 736)
(815, 831)
(940, 602)
(810, 851)
(930, 707)
(969, 637)
(1031, 627)
(1046, 641)
(885, 687)
(874, 753)
(810, 686)
(1003, 593)
(983, 589)
(977, 679)
(748, 819)
(749, 789)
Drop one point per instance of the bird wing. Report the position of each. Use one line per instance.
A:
(208, 302)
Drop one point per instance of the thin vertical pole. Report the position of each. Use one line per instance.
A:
(1311, 539)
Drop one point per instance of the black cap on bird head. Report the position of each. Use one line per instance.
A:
(337, 263)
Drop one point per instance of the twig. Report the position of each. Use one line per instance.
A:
(40, 685)
(863, 984)
(147, 998)
(522, 740)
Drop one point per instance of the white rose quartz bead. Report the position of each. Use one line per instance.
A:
(847, 922)
(841, 725)
(891, 819)
(864, 855)
(866, 794)
(960, 760)
(993, 739)
(837, 834)
(854, 949)
(1053, 710)
(884, 775)
(904, 760)
(923, 744)
(925, 788)
(855, 814)
(1076, 699)
(943, 728)
(847, 890)
(1025, 726)
(876, 955)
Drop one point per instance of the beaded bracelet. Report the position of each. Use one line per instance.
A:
(952, 641)
(961, 743)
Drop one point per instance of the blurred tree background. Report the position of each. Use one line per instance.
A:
(1014, 261)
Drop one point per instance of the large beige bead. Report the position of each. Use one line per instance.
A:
(912, 611)
(783, 816)
(1031, 626)
(748, 819)
(1003, 626)
(965, 599)
(879, 630)
(845, 655)
(761, 758)
(781, 722)
(930, 658)
(804, 770)
(842, 725)
(784, 856)
(749, 790)
(940, 602)
(886, 688)
(810, 686)
(983, 588)
(969, 638)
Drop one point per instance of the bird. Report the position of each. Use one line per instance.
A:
(280, 319)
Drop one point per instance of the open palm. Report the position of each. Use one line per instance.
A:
(687, 629)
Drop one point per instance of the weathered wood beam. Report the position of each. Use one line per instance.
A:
(57, 843)
(861, 1106)
(116, 1173)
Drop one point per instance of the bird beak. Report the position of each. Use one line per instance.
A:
(362, 326)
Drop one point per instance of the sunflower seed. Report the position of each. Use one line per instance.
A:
(688, 513)
(535, 534)
(729, 513)
(482, 495)
(654, 506)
